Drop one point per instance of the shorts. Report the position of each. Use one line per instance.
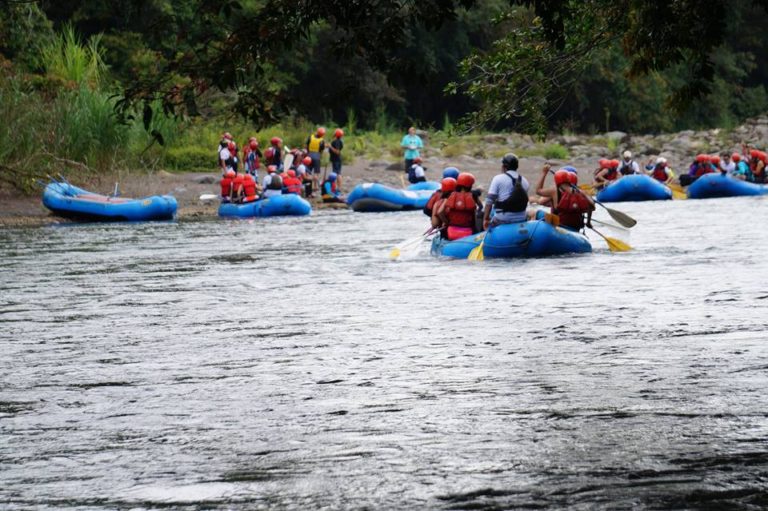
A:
(336, 166)
(314, 167)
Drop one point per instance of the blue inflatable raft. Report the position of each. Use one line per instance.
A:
(288, 204)
(721, 185)
(374, 197)
(424, 185)
(633, 188)
(70, 201)
(535, 238)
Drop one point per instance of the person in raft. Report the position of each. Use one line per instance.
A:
(607, 173)
(451, 172)
(569, 203)
(741, 170)
(447, 187)
(507, 194)
(334, 152)
(249, 190)
(660, 171)
(628, 166)
(416, 172)
(412, 143)
(701, 165)
(457, 211)
(757, 161)
(237, 188)
(272, 183)
(302, 173)
(226, 185)
(315, 146)
(330, 192)
(291, 183)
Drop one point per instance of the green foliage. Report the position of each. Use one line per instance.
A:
(67, 59)
(24, 32)
(190, 158)
(555, 152)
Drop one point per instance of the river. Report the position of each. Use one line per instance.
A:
(289, 364)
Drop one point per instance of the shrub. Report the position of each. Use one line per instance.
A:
(191, 158)
(555, 152)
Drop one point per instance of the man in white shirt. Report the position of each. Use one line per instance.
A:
(628, 165)
(508, 194)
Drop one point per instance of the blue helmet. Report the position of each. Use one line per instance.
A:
(332, 177)
(570, 168)
(450, 172)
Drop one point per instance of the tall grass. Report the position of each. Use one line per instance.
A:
(68, 59)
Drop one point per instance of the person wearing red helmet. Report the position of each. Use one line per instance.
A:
(458, 211)
(570, 204)
(315, 146)
(334, 151)
(608, 172)
(226, 185)
(302, 172)
(252, 157)
(701, 165)
(447, 187)
(416, 172)
(291, 183)
(250, 188)
(741, 168)
(273, 154)
(237, 188)
(757, 161)
(272, 184)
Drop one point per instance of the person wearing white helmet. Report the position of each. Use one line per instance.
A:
(660, 170)
(628, 165)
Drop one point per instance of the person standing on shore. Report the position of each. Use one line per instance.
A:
(412, 143)
(337, 144)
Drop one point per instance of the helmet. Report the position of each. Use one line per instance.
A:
(275, 140)
(762, 156)
(230, 173)
(627, 154)
(736, 157)
(754, 153)
(661, 161)
(251, 138)
(417, 159)
(291, 173)
(307, 160)
(271, 168)
(603, 163)
(571, 169)
(338, 133)
(248, 177)
(448, 184)
(615, 164)
(231, 146)
(573, 178)
(562, 177)
(332, 177)
(451, 172)
(321, 132)
(465, 179)
(254, 144)
(715, 160)
(702, 158)
(227, 135)
(509, 161)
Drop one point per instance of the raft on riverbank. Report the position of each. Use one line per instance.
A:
(375, 197)
(69, 201)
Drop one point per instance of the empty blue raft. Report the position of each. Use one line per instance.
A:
(633, 188)
(375, 197)
(535, 238)
(718, 185)
(424, 185)
(72, 202)
(288, 204)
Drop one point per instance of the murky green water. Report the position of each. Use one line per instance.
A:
(287, 363)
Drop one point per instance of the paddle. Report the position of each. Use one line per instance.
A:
(613, 244)
(477, 253)
(677, 191)
(396, 251)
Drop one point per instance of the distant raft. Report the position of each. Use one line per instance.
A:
(72, 202)
(535, 238)
(710, 186)
(288, 204)
(634, 188)
(374, 197)
(424, 185)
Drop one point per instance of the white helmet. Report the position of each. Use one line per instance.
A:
(627, 154)
(661, 160)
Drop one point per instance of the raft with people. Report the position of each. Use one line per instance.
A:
(718, 185)
(289, 204)
(69, 201)
(634, 188)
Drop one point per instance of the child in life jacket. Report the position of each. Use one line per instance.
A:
(329, 191)
(250, 189)
(429, 208)
(458, 211)
(237, 188)
(252, 157)
(272, 184)
(571, 204)
(660, 171)
(607, 173)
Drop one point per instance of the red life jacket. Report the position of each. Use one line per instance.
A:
(226, 186)
(612, 174)
(292, 185)
(236, 184)
(660, 174)
(460, 209)
(570, 208)
(249, 188)
(430, 207)
(703, 168)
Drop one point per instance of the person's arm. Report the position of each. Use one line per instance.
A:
(404, 142)
(540, 185)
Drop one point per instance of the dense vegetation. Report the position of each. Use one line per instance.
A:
(92, 85)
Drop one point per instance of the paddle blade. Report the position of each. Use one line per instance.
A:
(588, 188)
(477, 253)
(678, 195)
(676, 187)
(617, 245)
(623, 218)
(395, 253)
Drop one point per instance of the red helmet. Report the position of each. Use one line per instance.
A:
(715, 160)
(754, 153)
(465, 179)
(231, 145)
(248, 177)
(227, 135)
(338, 133)
(275, 141)
(272, 168)
(448, 184)
(573, 178)
(417, 159)
(254, 143)
(307, 160)
(291, 173)
(603, 163)
(702, 158)
(230, 173)
(762, 156)
(614, 164)
(321, 132)
(736, 157)
(561, 177)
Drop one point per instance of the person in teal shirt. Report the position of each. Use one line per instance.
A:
(412, 143)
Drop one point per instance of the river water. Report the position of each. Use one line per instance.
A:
(288, 363)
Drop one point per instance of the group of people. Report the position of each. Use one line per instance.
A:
(457, 210)
(747, 166)
(302, 175)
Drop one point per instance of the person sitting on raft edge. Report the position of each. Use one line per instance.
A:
(507, 194)
(416, 172)
(272, 184)
(429, 208)
(568, 202)
(447, 188)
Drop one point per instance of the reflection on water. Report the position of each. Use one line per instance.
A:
(288, 363)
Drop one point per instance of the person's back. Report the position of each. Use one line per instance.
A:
(458, 210)
(249, 188)
(226, 185)
(273, 183)
(291, 184)
(237, 188)
(507, 194)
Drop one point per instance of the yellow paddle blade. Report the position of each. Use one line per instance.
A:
(477, 253)
(676, 187)
(590, 189)
(678, 195)
(395, 253)
(617, 245)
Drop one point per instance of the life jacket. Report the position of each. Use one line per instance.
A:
(571, 208)
(275, 182)
(292, 185)
(329, 188)
(252, 161)
(412, 175)
(612, 174)
(314, 144)
(236, 184)
(660, 174)
(226, 186)
(460, 209)
(703, 168)
(269, 154)
(625, 168)
(517, 202)
(431, 202)
(249, 188)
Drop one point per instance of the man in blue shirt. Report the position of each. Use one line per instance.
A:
(412, 143)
